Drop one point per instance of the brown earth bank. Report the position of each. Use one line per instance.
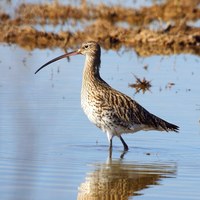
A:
(113, 26)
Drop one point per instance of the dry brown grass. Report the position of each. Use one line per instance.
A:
(103, 26)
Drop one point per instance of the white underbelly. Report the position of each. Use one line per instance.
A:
(90, 110)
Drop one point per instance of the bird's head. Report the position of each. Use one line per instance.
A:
(88, 48)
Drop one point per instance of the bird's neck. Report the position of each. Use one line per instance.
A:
(91, 68)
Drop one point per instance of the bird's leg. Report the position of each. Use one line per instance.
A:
(110, 144)
(110, 148)
(124, 143)
(123, 154)
(109, 136)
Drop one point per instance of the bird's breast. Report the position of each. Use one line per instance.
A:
(90, 106)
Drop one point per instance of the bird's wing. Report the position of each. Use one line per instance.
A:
(129, 113)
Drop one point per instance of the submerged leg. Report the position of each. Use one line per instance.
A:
(124, 143)
(123, 154)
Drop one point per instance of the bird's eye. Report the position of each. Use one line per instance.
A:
(86, 46)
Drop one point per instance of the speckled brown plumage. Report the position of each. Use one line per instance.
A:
(112, 111)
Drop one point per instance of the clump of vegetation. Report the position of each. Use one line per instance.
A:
(141, 85)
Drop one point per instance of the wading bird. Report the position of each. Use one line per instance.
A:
(110, 110)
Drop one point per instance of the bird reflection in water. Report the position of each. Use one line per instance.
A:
(117, 180)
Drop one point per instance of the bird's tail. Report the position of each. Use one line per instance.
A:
(162, 125)
(171, 127)
(166, 126)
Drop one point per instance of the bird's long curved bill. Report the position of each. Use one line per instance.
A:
(58, 58)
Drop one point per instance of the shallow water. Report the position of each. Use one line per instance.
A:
(49, 149)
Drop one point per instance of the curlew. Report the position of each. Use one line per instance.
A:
(110, 110)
